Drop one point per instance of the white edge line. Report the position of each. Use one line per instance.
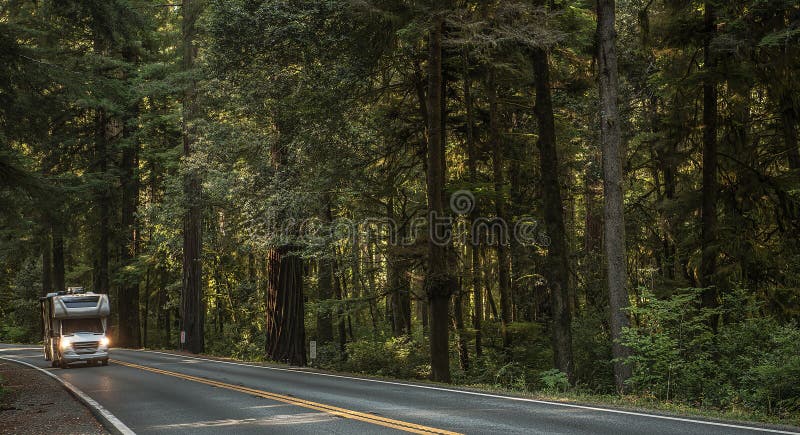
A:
(83, 397)
(475, 393)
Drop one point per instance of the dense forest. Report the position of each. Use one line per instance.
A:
(560, 195)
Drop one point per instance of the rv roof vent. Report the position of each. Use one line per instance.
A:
(75, 290)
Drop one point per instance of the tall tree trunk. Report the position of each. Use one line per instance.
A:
(47, 263)
(59, 283)
(192, 307)
(146, 316)
(128, 297)
(557, 270)
(475, 279)
(439, 283)
(789, 124)
(503, 265)
(285, 325)
(458, 314)
(101, 283)
(613, 211)
(708, 261)
(341, 317)
(400, 299)
(325, 284)
(398, 282)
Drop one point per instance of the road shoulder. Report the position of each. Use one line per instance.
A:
(33, 403)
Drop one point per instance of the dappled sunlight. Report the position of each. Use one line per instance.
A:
(276, 420)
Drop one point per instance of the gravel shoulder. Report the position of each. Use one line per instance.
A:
(33, 403)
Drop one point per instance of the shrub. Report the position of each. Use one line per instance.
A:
(14, 334)
(752, 361)
(554, 380)
(398, 357)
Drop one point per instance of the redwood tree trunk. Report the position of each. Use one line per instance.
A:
(192, 308)
(285, 325)
(614, 219)
(128, 298)
(47, 263)
(59, 283)
(103, 206)
(557, 271)
(708, 262)
(439, 283)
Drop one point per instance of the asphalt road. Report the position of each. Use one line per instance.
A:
(153, 392)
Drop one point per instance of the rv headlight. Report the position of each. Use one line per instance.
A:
(105, 342)
(65, 343)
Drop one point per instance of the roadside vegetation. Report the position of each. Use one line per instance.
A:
(747, 371)
(586, 199)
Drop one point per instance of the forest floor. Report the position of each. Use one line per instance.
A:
(31, 403)
(631, 403)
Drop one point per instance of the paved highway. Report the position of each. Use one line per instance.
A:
(156, 393)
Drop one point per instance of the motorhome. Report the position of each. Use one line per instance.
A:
(75, 324)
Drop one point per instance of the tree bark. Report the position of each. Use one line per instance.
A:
(709, 201)
(47, 263)
(439, 283)
(458, 314)
(101, 283)
(59, 283)
(325, 284)
(285, 325)
(789, 123)
(341, 317)
(613, 210)
(192, 308)
(557, 271)
(128, 297)
(397, 280)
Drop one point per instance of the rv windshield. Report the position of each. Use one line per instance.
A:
(71, 326)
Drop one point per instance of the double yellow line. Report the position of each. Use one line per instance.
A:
(333, 410)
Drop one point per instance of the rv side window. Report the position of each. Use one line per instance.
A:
(71, 326)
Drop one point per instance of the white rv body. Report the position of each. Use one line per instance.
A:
(75, 325)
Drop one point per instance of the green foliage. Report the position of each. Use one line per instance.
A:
(752, 362)
(15, 334)
(396, 357)
(554, 381)
(592, 352)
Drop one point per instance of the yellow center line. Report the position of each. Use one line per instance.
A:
(333, 410)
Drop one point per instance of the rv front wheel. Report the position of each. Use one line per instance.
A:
(105, 362)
